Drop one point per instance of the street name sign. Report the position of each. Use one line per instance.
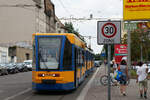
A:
(130, 26)
(103, 54)
(108, 32)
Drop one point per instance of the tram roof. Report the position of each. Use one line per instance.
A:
(70, 36)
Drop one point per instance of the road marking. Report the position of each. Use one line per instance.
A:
(27, 98)
(18, 94)
(86, 88)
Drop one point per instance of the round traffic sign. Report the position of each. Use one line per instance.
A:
(109, 30)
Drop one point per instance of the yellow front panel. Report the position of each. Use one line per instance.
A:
(65, 76)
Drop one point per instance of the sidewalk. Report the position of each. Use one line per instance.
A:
(99, 92)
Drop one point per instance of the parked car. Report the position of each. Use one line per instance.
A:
(22, 67)
(97, 63)
(28, 63)
(3, 69)
(100, 62)
(148, 67)
(12, 68)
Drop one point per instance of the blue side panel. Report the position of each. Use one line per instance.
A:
(62, 53)
(36, 48)
(67, 86)
(73, 57)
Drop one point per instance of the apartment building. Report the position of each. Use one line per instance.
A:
(21, 18)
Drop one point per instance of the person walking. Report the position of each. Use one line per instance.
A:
(114, 65)
(123, 81)
(142, 72)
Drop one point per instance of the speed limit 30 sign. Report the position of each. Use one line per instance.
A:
(108, 32)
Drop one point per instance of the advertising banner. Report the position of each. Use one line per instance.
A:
(120, 52)
(136, 9)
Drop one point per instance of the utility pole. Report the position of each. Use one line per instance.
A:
(129, 48)
(109, 78)
(90, 38)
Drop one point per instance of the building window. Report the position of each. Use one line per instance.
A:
(27, 56)
(12, 59)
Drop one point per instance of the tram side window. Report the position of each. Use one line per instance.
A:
(77, 63)
(79, 58)
(67, 59)
(76, 57)
(83, 59)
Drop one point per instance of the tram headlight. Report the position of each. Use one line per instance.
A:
(41, 75)
(55, 75)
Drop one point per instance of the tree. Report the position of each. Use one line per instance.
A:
(139, 39)
(97, 57)
(112, 50)
(69, 27)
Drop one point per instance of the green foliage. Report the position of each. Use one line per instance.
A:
(97, 57)
(69, 27)
(124, 39)
(133, 72)
(112, 50)
(139, 38)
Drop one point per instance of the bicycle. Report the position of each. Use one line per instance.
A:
(113, 82)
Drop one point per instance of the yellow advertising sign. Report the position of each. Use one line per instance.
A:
(136, 9)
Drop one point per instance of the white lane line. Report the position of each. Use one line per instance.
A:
(18, 94)
(27, 98)
(86, 88)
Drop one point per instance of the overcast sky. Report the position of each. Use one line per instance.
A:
(83, 8)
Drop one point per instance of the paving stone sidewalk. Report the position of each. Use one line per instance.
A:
(99, 92)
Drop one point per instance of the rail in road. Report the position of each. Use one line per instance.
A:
(18, 87)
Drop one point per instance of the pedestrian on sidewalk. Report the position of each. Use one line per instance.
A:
(142, 73)
(114, 65)
(105, 62)
(123, 81)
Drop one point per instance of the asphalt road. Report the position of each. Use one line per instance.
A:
(19, 87)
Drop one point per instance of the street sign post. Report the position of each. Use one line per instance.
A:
(109, 32)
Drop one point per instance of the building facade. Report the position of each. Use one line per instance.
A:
(21, 18)
(19, 54)
(60, 28)
(4, 54)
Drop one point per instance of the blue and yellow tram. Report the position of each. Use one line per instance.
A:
(60, 61)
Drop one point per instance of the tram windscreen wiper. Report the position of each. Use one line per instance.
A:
(41, 58)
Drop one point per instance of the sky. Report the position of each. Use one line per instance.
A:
(103, 9)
